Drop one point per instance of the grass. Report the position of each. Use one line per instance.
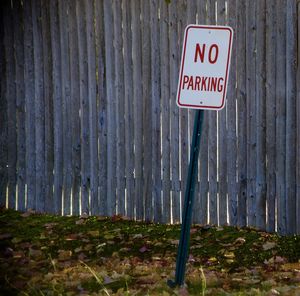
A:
(53, 255)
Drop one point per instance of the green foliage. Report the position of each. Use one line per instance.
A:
(53, 255)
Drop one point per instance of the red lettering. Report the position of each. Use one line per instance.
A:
(190, 83)
(220, 85)
(203, 83)
(213, 84)
(199, 52)
(197, 83)
(213, 60)
(185, 80)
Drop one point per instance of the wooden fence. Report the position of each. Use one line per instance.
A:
(89, 123)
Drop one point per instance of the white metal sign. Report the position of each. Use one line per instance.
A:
(204, 67)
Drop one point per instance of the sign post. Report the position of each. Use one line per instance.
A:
(202, 85)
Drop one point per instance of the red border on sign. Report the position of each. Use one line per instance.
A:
(183, 59)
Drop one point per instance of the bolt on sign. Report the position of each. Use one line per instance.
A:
(204, 67)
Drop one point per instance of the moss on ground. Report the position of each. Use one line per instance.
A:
(54, 255)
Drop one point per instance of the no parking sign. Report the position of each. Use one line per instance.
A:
(204, 67)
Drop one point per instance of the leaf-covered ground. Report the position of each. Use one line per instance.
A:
(53, 255)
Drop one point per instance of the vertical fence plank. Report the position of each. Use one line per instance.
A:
(147, 108)
(84, 107)
(39, 107)
(57, 106)
(261, 116)
(183, 112)
(156, 125)
(3, 115)
(138, 106)
(29, 105)
(191, 11)
(91, 59)
(212, 143)
(298, 125)
(129, 127)
(201, 215)
(222, 145)
(66, 101)
(111, 103)
(187, 117)
(102, 107)
(20, 103)
(232, 121)
(251, 109)
(49, 153)
(241, 109)
(281, 114)
(11, 105)
(120, 106)
(291, 47)
(165, 111)
(75, 106)
(174, 64)
(270, 113)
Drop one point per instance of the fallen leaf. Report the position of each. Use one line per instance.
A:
(269, 246)
(5, 236)
(50, 225)
(80, 222)
(143, 249)
(16, 240)
(239, 241)
(37, 254)
(94, 233)
(291, 266)
(64, 255)
(71, 237)
(27, 214)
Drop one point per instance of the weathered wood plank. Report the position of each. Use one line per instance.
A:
(66, 102)
(138, 106)
(271, 113)
(222, 140)
(129, 127)
(102, 107)
(39, 107)
(120, 106)
(251, 109)
(174, 117)
(11, 105)
(187, 117)
(241, 110)
(49, 140)
(201, 216)
(281, 115)
(75, 107)
(232, 122)
(147, 108)
(3, 115)
(261, 116)
(291, 56)
(156, 124)
(111, 108)
(57, 107)
(20, 103)
(29, 105)
(165, 114)
(84, 107)
(298, 127)
(212, 143)
(91, 59)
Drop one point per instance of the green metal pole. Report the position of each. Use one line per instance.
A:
(183, 248)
